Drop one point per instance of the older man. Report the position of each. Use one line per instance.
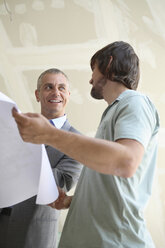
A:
(28, 225)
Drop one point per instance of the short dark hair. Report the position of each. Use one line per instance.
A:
(53, 71)
(124, 67)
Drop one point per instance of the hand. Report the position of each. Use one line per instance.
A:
(62, 202)
(32, 127)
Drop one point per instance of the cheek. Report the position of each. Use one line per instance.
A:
(66, 100)
(66, 97)
(44, 96)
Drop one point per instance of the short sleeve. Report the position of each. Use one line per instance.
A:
(135, 119)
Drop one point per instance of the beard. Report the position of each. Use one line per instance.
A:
(97, 90)
(96, 94)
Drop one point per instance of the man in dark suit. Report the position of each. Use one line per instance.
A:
(27, 225)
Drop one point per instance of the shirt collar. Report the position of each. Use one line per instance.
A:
(116, 100)
(122, 94)
(59, 122)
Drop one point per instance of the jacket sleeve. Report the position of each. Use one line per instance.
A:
(65, 169)
(67, 172)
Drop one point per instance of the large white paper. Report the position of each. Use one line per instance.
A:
(25, 170)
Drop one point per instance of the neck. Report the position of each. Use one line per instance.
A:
(112, 90)
(51, 116)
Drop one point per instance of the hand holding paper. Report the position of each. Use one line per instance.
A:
(34, 129)
(25, 170)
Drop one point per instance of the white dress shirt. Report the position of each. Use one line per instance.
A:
(59, 122)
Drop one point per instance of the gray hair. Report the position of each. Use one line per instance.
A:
(53, 71)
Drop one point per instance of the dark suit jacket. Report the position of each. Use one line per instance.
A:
(36, 226)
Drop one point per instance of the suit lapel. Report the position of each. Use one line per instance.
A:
(54, 154)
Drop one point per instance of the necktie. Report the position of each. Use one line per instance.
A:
(51, 122)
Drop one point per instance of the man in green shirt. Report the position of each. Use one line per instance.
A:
(107, 208)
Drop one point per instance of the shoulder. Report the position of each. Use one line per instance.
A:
(137, 112)
(67, 126)
(132, 96)
(72, 129)
(136, 101)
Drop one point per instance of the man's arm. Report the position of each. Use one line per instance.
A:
(120, 158)
(65, 169)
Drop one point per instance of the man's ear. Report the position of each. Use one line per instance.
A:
(37, 95)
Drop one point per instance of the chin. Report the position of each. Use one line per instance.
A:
(96, 96)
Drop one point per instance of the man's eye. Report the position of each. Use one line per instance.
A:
(48, 87)
(62, 88)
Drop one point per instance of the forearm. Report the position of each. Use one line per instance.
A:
(119, 158)
(103, 156)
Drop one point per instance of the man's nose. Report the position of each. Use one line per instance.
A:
(56, 91)
(91, 81)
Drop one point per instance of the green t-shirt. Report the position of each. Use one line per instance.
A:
(107, 211)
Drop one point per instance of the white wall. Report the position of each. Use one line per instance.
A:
(39, 34)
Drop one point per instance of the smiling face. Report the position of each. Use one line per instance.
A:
(53, 95)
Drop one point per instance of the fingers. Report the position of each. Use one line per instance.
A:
(32, 126)
(23, 121)
(59, 203)
(55, 204)
(52, 204)
(14, 110)
(61, 192)
(19, 118)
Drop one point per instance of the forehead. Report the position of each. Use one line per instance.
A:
(55, 78)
